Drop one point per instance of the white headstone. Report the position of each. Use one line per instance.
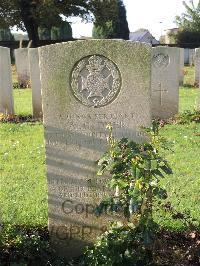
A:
(35, 82)
(181, 76)
(85, 86)
(165, 81)
(197, 65)
(22, 66)
(6, 88)
(191, 57)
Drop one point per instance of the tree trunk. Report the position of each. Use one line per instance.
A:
(32, 31)
(28, 14)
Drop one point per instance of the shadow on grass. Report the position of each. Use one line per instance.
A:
(19, 119)
(189, 86)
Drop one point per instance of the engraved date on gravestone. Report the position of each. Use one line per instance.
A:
(95, 81)
(160, 60)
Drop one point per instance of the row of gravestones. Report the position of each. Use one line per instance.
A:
(27, 66)
(87, 85)
(167, 74)
(194, 56)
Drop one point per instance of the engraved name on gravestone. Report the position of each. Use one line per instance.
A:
(165, 81)
(85, 86)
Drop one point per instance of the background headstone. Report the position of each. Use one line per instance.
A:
(85, 86)
(197, 65)
(6, 94)
(35, 82)
(165, 81)
(22, 66)
(181, 76)
(191, 57)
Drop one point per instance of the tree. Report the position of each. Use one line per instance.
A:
(188, 37)
(115, 27)
(105, 31)
(121, 23)
(44, 33)
(30, 14)
(189, 24)
(190, 20)
(6, 35)
(61, 32)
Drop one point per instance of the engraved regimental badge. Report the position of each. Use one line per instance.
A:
(160, 60)
(95, 81)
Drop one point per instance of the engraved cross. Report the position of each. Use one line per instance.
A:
(161, 93)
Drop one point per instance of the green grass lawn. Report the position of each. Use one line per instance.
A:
(188, 76)
(23, 102)
(22, 174)
(188, 98)
(183, 186)
(23, 190)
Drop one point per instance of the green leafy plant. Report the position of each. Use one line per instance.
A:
(135, 172)
(188, 116)
(22, 244)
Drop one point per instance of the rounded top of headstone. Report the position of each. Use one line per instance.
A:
(95, 81)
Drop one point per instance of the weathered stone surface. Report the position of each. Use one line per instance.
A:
(197, 65)
(6, 95)
(191, 57)
(85, 86)
(165, 81)
(181, 76)
(35, 82)
(22, 66)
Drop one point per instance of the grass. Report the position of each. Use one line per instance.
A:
(188, 99)
(188, 93)
(22, 98)
(14, 74)
(183, 185)
(23, 102)
(22, 174)
(188, 76)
